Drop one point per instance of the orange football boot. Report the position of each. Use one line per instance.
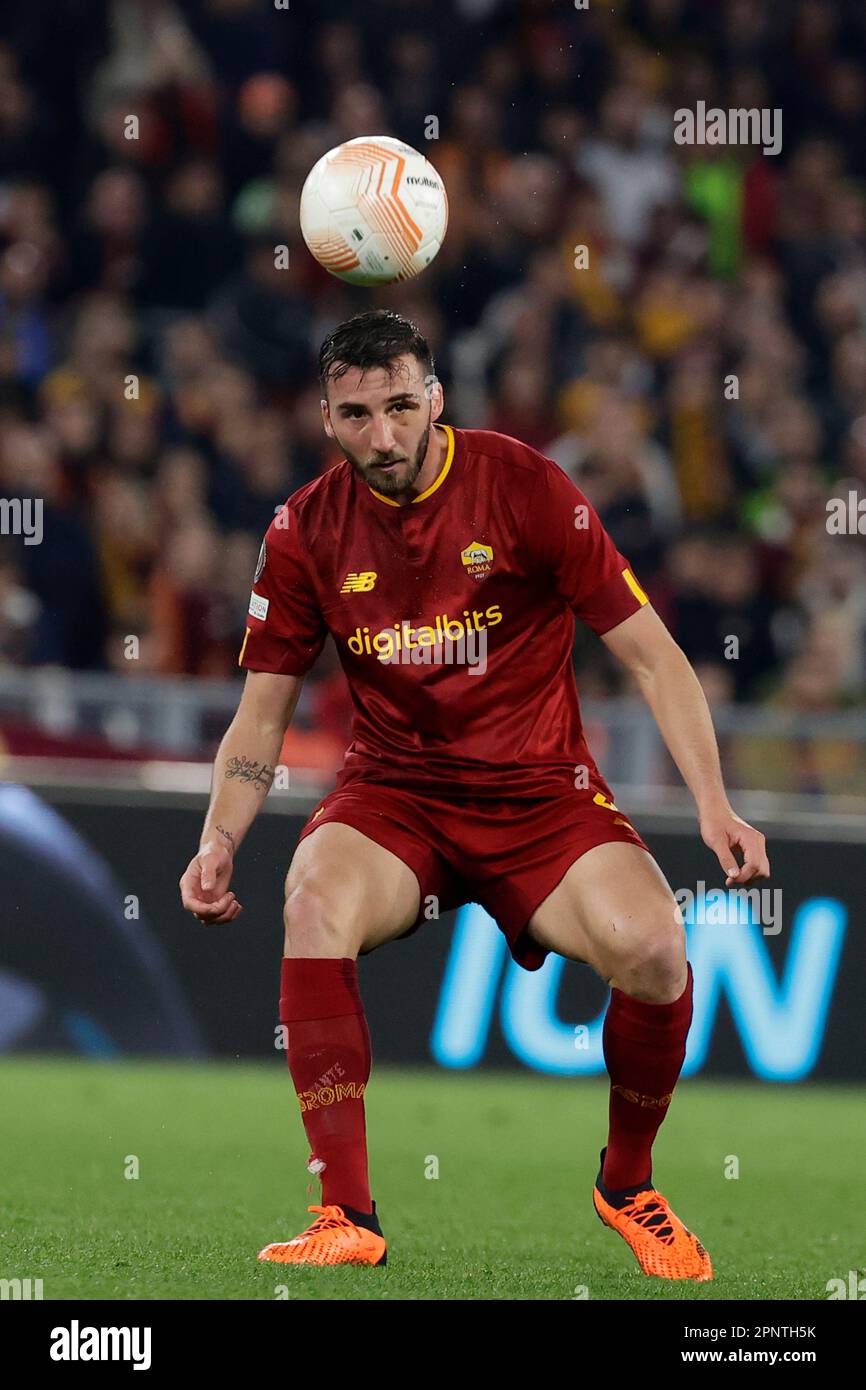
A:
(332, 1239)
(663, 1246)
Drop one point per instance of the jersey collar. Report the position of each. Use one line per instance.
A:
(443, 474)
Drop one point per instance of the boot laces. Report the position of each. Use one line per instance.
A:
(649, 1210)
(331, 1218)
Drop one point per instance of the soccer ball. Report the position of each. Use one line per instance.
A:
(373, 211)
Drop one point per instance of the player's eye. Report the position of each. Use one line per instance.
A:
(402, 405)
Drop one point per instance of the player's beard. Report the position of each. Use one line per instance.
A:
(400, 479)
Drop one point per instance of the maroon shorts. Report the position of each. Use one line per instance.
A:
(506, 854)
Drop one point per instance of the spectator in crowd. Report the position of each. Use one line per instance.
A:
(699, 368)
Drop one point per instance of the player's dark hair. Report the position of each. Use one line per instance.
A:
(372, 339)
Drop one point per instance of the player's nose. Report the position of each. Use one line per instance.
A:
(382, 437)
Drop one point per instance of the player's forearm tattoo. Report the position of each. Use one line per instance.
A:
(248, 771)
(229, 836)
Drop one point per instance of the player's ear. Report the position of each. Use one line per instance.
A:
(433, 390)
(326, 420)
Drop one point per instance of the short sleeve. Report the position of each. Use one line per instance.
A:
(285, 628)
(568, 541)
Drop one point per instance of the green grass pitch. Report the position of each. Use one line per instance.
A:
(222, 1153)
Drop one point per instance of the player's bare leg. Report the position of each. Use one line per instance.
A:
(345, 895)
(615, 910)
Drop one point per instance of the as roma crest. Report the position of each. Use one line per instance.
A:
(478, 559)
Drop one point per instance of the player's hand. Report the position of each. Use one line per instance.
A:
(724, 833)
(204, 888)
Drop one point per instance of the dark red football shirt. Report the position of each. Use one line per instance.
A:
(453, 616)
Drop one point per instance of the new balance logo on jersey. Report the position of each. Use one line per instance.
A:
(360, 583)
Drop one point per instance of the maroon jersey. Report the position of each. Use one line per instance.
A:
(453, 617)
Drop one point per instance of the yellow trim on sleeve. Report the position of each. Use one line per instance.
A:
(428, 492)
(244, 647)
(634, 586)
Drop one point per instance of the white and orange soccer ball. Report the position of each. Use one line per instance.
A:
(373, 211)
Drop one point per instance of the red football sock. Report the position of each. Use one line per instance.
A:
(644, 1049)
(328, 1050)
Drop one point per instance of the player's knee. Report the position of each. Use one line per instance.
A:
(655, 968)
(318, 920)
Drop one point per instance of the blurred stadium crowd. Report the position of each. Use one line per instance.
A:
(703, 379)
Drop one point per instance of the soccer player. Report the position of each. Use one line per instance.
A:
(449, 565)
